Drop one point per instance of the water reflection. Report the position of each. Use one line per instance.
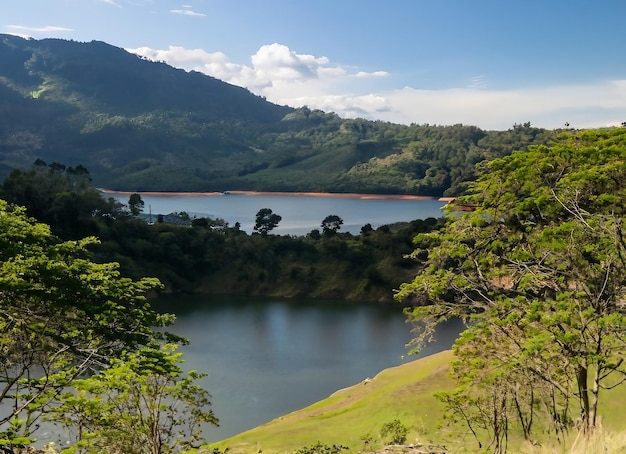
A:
(266, 357)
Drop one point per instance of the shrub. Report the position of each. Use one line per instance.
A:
(396, 430)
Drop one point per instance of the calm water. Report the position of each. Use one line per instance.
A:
(300, 213)
(266, 358)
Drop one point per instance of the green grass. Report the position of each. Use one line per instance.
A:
(405, 393)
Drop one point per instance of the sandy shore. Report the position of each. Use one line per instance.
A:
(307, 194)
(161, 194)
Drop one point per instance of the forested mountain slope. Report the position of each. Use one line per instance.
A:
(141, 125)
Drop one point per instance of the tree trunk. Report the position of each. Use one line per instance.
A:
(595, 391)
(582, 375)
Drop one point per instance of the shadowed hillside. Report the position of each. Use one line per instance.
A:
(142, 125)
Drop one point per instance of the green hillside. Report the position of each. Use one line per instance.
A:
(352, 416)
(142, 125)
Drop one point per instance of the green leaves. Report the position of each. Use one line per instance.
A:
(540, 265)
(62, 316)
(141, 402)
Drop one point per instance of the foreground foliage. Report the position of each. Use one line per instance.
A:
(539, 269)
(141, 403)
(64, 317)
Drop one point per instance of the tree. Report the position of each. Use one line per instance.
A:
(135, 204)
(331, 224)
(140, 403)
(61, 316)
(539, 268)
(396, 431)
(61, 198)
(266, 221)
(314, 234)
(367, 229)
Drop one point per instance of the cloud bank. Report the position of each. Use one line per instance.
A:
(20, 30)
(286, 77)
(187, 11)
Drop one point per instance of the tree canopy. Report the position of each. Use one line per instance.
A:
(141, 403)
(135, 204)
(266, 221)
(538, 268)
(61, 197)
(62, 316)
(331, 224)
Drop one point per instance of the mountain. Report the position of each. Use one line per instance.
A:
(142, 125)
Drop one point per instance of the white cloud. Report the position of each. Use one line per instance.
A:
(112, 2)
(215, 64)
(346, 106)
(478, 82)
(46, 29)
(187, 11)
(581, 106)
(272, 66)
(374, 74)
(286, 77)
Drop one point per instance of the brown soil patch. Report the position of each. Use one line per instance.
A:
(257, 193)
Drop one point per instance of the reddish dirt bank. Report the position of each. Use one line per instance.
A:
(309, 194)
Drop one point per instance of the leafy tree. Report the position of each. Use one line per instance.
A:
(135, 204)
(140, 403)
(331, 224)
(539, 268)
(266, 220)
(60, 197)
(367, 229)
(396, 431)
(61, 315)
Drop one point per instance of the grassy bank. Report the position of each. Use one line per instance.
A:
(355, 414)
(352, 414)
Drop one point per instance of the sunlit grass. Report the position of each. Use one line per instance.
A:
(600, 441)
(354, 416)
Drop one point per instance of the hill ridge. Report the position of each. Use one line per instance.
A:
(140, 125)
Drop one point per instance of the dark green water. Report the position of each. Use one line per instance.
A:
(267, 357)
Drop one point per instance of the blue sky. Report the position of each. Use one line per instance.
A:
(490, 63)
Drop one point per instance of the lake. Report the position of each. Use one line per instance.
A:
(266, 357)
(300, 213)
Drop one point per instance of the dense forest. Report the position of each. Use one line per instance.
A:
(140, 125)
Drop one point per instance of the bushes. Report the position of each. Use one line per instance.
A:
(396, 431)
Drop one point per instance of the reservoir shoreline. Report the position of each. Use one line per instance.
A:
(283, 193)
